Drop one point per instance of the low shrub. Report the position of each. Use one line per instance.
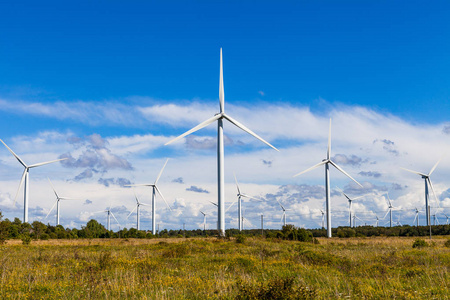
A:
(447, 243)
(275, 289)
(419, 243)
(26, 239)
(240, 239)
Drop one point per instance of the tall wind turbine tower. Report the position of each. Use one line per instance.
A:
(350, 200)
(25, 178)
(426, 178)
(327, 161)
(138, 211)
(154, 190)
(219, 117)
(58, 199)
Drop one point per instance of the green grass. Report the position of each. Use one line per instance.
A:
(367, 268)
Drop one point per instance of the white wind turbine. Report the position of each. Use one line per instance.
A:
(283, 217)
(327, 161)
(427, 180)
(350, 200)
(220, 151)
(138, 213)
(416, 217)
(109, 213)
(240, 196)
(155, 189)
(389, 210)
(446, 217)
(204, 220)
(25, 177)
(376, 225)
(323, 219)
(58, 198)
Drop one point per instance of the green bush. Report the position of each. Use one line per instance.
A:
(419, 243)
(240, 239)
(447, 243)
(26, 239)
(275, 289)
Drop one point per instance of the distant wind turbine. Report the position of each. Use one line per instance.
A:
(240, 196)
(109, 213)
(204, 220)
(389, 210)
(283, 217)
(376, 225)
(138, 213)
(446, 217)
(155, 189)
(25, 177)
(350, 200)
(58, 198)
(427, 180)
(416, 217)
(327, 161)
(220, 151)
(323, 219)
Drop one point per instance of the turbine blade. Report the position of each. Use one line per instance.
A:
(329, 142)
(250, 197)
(159, 192)
(115, 218)
(53, 188)
(213, 203)
(312, 168)
(198, 127)
(221, 90)
(230, 206)
(46, 163)
(241, 126)
(415, 172)
(51, 209)
(282, 207)
(143, 184)
(203, 213)
(20, 185)
(160, 172)
(434, 167)
(131, 211)
(345, 173)
(386, 215)
(432, 189)
(15, 155)
(237, 185)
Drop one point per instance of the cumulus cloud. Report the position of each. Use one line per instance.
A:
(446, 129)
(343, 159)
(296, 193)
(206, 143)
(87, 202)
(122, 182)
(95, 156)
(178, 180)
(370, 174)
(196, 189)
(388, 145)
(267, 162)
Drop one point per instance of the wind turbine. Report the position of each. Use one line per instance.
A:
(389, 210)
(58, 198)
(109, 214)
(283, 217)
(137, 207)
(427, 180)
(349, 204)
(25, 177)
(327, 161)
(155, 189)
(376, 225)
(240, 196)
(416, 217)
(323, 219)
(219, 117)
(446, 217)
(204, 220)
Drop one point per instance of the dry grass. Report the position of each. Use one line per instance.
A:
(358, 268)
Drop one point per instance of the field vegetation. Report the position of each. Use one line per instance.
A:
(233, 268)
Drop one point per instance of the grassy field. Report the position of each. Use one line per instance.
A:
(357, 268)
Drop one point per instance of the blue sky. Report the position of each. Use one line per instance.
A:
(132, 75)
